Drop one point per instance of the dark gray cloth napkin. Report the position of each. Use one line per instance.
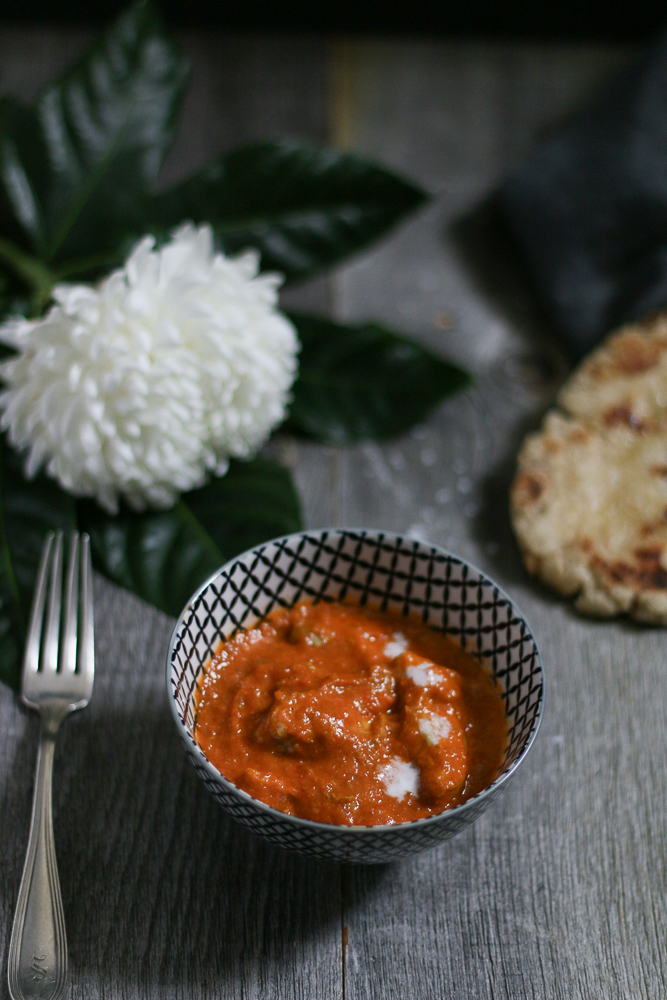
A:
(589, 209)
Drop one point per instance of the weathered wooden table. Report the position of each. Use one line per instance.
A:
(560, 890)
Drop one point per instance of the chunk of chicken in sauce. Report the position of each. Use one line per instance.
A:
(433, 729)
(350, 715)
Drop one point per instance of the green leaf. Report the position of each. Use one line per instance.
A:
(303, 207)
(75, 168)
(25, 173)
(163, 556)
(359, 382)
(12, 297)
(28, 509)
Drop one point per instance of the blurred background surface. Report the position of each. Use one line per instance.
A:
(560, 891)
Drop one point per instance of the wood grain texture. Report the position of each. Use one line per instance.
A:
(559, 891)
(164, 896)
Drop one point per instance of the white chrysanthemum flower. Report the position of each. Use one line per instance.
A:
(141, 385)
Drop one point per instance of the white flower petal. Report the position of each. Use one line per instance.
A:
(141, 385)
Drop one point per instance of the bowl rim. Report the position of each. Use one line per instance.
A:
(338, 828)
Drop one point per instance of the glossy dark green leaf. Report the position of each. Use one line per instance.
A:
(163, 556)
(12, 297)
(28, 509)
(358, 382)
(303, 207)
(75, 168)
(25, 174)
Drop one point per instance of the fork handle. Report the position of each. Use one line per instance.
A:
(37, 965)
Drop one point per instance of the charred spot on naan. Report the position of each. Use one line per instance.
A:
(623, 414)
(634, 353)
(530, 487)
(646, 573)
(631, 351)
(579, 435)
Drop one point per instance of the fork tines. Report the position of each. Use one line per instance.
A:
(68, 649)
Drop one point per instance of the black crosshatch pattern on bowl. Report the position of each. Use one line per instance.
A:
(383, 570)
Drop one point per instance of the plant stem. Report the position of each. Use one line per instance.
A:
(36, 275)
(79, 265)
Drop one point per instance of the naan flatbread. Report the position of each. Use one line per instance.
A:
(589, 502)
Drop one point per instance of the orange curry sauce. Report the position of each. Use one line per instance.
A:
(349, 715)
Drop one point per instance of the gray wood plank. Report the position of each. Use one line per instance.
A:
(242, 88)
(246, 88)
(32, 56)
(559, 890)
(164, 896)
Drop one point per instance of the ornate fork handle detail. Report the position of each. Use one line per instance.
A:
(38, 949)
(57, 678)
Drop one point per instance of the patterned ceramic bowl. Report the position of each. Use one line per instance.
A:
(389, 571)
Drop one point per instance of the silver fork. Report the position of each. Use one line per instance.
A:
(58, 673)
